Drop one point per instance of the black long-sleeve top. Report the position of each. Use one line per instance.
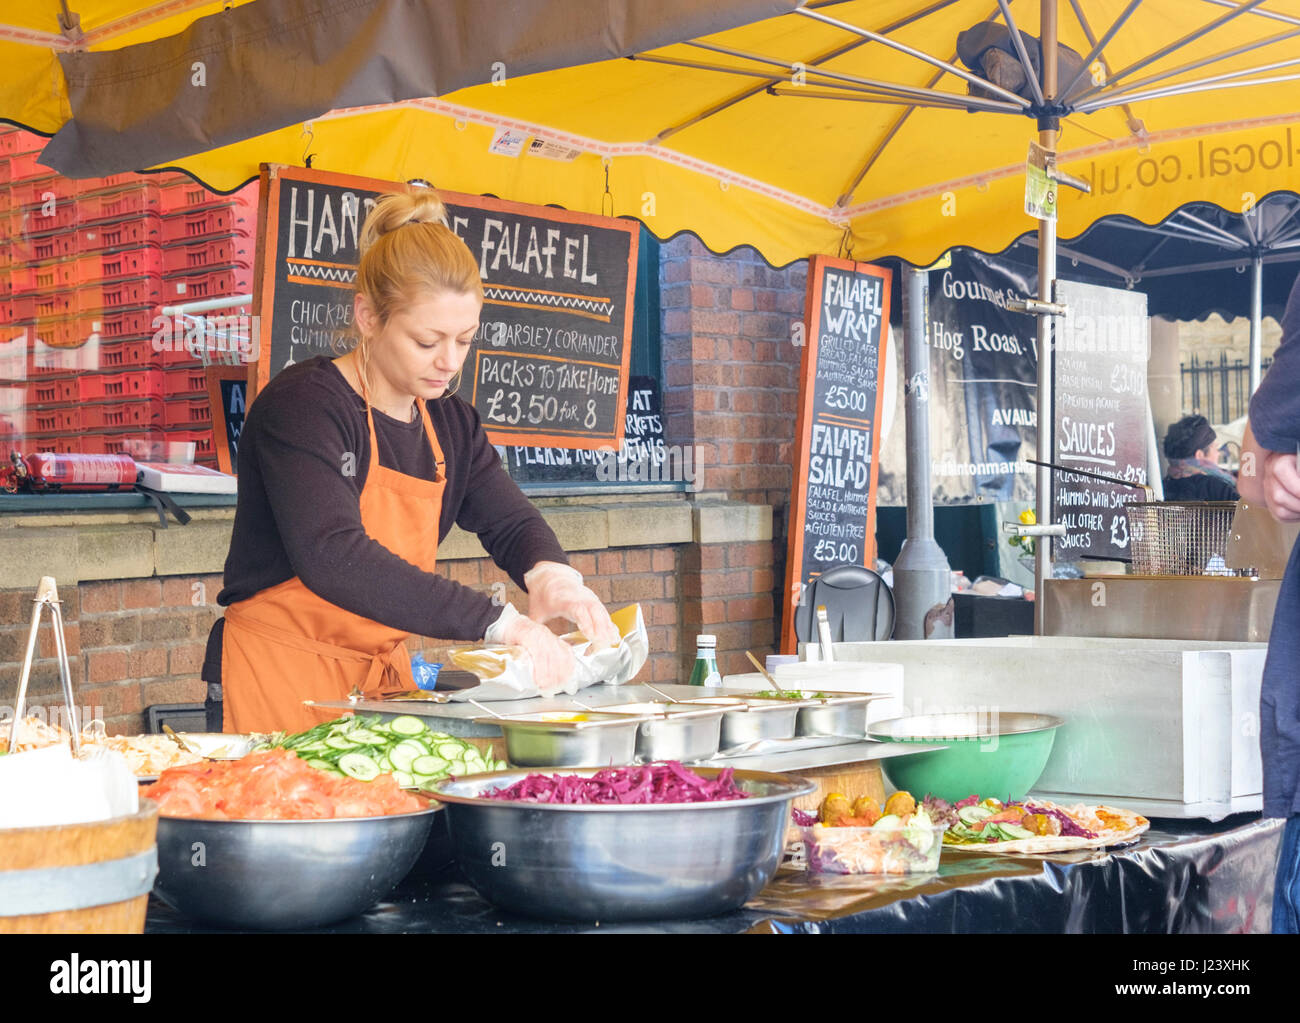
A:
(303, 459)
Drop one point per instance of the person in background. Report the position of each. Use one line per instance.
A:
(351, 471)
(1269, 476)
(1194, 473)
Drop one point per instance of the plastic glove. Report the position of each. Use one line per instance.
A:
(553, 660)
(557, 591)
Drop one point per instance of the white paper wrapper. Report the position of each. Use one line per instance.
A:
(506, 672)
(47, 787)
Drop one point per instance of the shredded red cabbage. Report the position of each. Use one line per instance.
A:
(968, 801)
(668, 782)
(1068, 825)
(803, 819)
(941, 813)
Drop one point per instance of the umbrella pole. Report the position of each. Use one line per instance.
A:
(1256, 318)
(922, 576)
(1046, 293)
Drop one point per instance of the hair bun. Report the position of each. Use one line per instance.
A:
(397, 209)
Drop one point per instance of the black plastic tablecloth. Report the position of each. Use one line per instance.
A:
(1181, 877)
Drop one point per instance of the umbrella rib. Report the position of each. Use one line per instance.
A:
(1214, 58)
(831, 54)
(983, 83)
(1097, 44)
(1187, 88)
(1214, 233)
(1022, 53)
(862, 96)
(1177, 44)
(837, 79)
(1286, 18)
(1220, 264)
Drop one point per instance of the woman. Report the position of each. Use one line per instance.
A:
(351, 470)
(1193, 474)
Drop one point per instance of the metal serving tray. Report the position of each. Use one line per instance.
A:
(745, 721)
(674, 732)
(834, 713)
(548, 740)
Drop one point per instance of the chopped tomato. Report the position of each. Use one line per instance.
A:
(274, 785)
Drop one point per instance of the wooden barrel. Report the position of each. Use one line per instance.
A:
(79, 878)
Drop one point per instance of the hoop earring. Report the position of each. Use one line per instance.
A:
(460, 373)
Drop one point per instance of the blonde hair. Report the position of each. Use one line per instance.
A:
(407, 248)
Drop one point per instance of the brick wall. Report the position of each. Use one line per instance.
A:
(131, 643)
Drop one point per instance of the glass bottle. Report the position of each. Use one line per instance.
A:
(705, 672)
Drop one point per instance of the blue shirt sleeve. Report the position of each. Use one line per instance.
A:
(1275, 407)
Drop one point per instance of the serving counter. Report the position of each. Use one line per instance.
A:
(1181, 877)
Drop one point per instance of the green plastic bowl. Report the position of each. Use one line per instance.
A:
(988, 754)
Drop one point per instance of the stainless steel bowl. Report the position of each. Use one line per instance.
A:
(544, 740)
(285, 875)
(747, 721)
(673, 732)
(620, 862)
(221, 745)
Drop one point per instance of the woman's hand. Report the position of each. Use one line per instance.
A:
(553, 660)
(557, 591)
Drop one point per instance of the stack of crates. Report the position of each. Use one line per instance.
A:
(88, 265)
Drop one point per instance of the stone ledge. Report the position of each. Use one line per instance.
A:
(117, 545)
(732, 522)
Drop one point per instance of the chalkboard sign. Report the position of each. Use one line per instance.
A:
(550, 361)
(833, 507)
(643, 457)
(1102, 417)
(228, 398)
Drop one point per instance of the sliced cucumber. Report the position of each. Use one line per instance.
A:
(890, 820)
(973, 814)
(1014, 831)
(359, 766)
(407, 725)
(340, 743)
(385, 764)
(404, 780)
(429, 766)
(365, 737)
(451, 750)
(322, 765)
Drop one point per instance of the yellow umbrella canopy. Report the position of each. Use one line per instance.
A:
(840, 124)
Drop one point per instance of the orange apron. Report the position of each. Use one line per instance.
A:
(285, 644)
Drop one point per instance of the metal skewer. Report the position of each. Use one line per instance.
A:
(766, 674)
(660, 692)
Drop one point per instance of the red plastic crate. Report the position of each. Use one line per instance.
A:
(143, 383)
(182, 380)
(38, 191)
(145, 229)
(183, 195)
(23, 166)
(58, 444)
(142, 261)
(193, 413)
(134, 353)
(228, 218)
(55, 391)
(34, 221)
(201, 439)
(53, 420)
(175, 356)
(124, 323)
(45, 247)
(31, 305)
(137, 291)
(119, 202)
(67, 332)
(215, 283)
(197, 256)
(4, 173)
(119, 415)
(11, 141)
(43, 277)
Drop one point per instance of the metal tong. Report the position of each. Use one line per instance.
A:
(47, 595)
